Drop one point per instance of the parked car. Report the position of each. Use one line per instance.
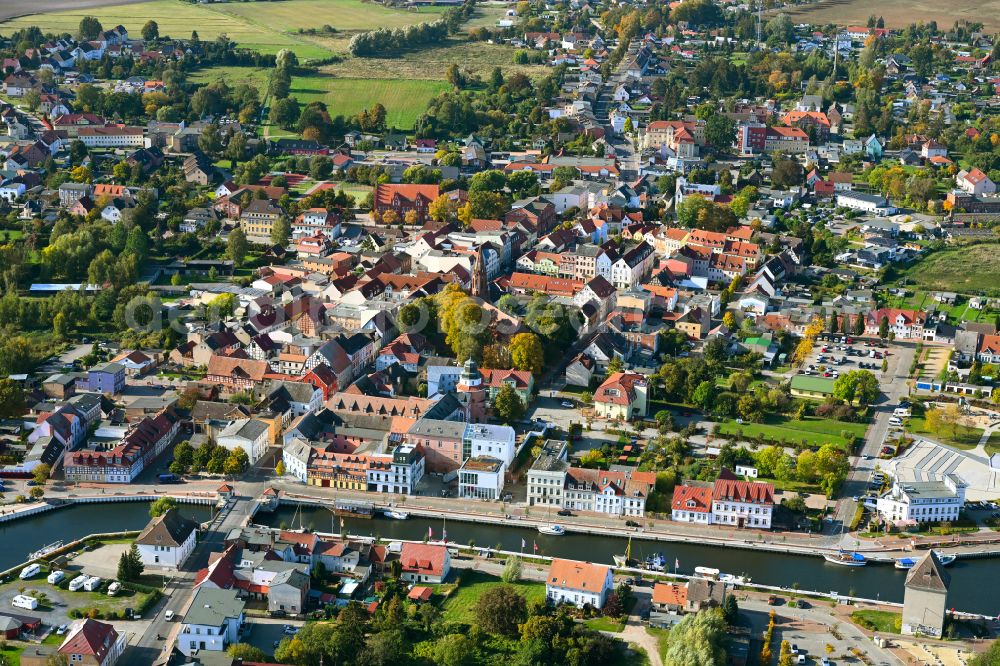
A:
(564, 512)
(168, 616)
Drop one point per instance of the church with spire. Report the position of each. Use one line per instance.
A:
(480, 281)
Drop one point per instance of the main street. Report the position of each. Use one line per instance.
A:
(160, 635)
(894, 387)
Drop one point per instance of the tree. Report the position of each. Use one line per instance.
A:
(37, 492)
(730, 610)
(90, 28)
(150, 31)
(990, 657)
(281, 231)
(161, 506)
(454, 650)
(279, 469)
(615, 365)
(137, 244)
(11, 399)
(246, 652)
(859, 324)
(41, 473)
(500, 610)
(210, 140)
(786, 173)
(511, 570)
(237, 246)
(729, 320)
(130, 566)
(720, 131)
(883, 327)
(508, 404)
(236, 462)
(860, 385)
(284, 112)
(698, 639)
(526, 353)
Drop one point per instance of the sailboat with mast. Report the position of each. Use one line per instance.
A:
(626, 559)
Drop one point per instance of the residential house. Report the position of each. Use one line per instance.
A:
(212, 622)
(578, 583)
(167, 540)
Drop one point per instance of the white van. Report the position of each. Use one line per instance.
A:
(30, 571)
(55, 577)
(92, 584)
(76, 584)
(902, 412)
(25, 602)
(895, 420)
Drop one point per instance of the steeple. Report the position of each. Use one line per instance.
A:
(480, 283)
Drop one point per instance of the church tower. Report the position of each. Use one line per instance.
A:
(480, 282)
(471, 393)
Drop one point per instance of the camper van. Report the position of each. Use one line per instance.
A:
(55, 577)
(30, 571)
(902, 412)
(25, 602)
(76, 584)
(92, 584)
(114, 588)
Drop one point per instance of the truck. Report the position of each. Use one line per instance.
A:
(168, 478)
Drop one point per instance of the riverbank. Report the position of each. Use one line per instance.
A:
(26, 510)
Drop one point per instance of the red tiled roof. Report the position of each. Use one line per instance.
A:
(700, 496)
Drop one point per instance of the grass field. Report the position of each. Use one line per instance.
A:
(813, 431)
(897, 13)
(965, 438)
(965, 269)
(874, 620)
(263, 26)
(404, 99)
(459, 606)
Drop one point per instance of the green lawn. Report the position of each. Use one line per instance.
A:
(12, 653)
(813, 431)
(963, 269)
(993, 443)
(459, 606)
(965, 438)
(874, 620)
(605, 624)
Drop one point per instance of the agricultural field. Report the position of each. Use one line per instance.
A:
(965, 269)
(431, 63)
(897, 13)
(263, 26)
(13, 8)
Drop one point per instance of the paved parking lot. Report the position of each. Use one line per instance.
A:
(266, 633)
(831, 358)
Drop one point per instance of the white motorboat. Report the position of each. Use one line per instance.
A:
(905, 563)
(552, 530)
(945, 560)
(396, 515)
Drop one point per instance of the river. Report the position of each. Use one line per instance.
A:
(975, 587)
(20, 537)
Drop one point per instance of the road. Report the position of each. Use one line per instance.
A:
(179, 593)
(894, 388)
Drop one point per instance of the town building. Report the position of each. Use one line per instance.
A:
(213, 621)
(728, 501)
(167, 540)
(909, 502)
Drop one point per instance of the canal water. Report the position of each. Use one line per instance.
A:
(975, 587)
(20, 537)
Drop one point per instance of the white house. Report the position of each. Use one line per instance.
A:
(425, 562)
(923, 501)
(975, 182)
(867, 203)
(578, 583)
(167, 540)
(213, 621)
(481, 477)
(248, 434)
(497, 441)
(398, 473)
(295, 456)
